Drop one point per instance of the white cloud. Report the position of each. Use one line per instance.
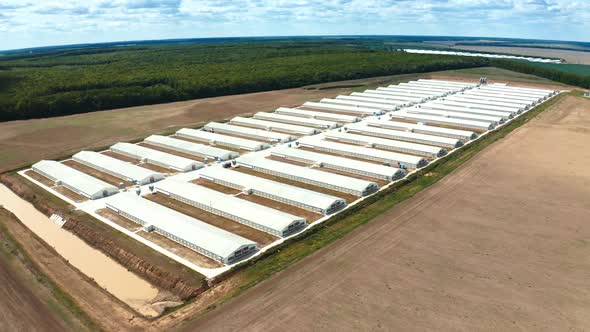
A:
(148, 19)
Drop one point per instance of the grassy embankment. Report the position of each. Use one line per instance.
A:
(337, 227)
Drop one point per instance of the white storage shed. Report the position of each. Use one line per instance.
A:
(223, 140)
(335, 117)
(254, 215)
(463, 135)
(195, 149)
(336, 182)
(76, 181)
(117, 168)
(276, 191)
(151, 156)
(274, 126)
(407, 136)
(269, 136)
(195, 234)
(344, 108)
(296, 120)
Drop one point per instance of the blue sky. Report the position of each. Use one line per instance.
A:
(29, 23)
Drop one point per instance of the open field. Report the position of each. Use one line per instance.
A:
(25, 142)
(489, 247)
(576, 57)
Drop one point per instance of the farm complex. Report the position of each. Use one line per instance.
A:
(226, 192)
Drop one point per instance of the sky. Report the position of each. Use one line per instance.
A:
(32, 23)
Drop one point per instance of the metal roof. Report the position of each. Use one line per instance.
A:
(344, 108)
(117, 167)
(389, 144)
(490, 100)
(366, 153)
(424, 87)
(483, 106)
(373, 100)
(356, 103)
(343, 183)
(397, 95)
(527, 92)
(355, 166)
(156, 157)
(222, 244)
(277, 189)
(473, 124)
(248, 132)
(317, 115)
(430, 80)
(443, 105)
(434, 130)
(252, 214)
(385, 98)
(485, 93)
(404, 135)
(454, 115)
(82, 183)
(191, 148)
(214, 138)
(310, 122)
(270, 125)
(415, 91)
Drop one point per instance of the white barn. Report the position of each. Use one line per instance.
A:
(264, 135)
(195, 234)
(156, 157)
(254, 215)
(195, 149)
(224, 140)
(76, 181)
(117, 168)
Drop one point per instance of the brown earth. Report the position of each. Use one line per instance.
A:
(70, 194)
(121, 157)
(299, 212)
(500, 244)
(36, 176)
(218, 187)
(229, 225)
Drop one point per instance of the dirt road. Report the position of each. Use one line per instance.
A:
(501, 244)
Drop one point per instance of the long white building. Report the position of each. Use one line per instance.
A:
(195, 149)
(223, 140)
(488, 101)
(339, 163)
(203, 238)
(388, 144)
(386, 102)
(386, 157)
(397, 95)
(118, 168)
(335, 117)
(344, 108)
(265, 135)
(441, 120)
(274, 126)
(386, 98)
(481, 106)
(276, 191)
(406, 136)
(254, 215)
(336, 182)
(296, 120)
(455, 115)
(76, 181)
(444, 106)
(356, 103)
(463, 135)
(151, 156)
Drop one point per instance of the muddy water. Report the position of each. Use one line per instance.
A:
(106, 272)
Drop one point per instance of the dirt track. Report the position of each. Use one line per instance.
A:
(501, 244)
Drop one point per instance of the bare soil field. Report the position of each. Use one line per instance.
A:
(40, 178)
(500, 244)
(569, 56)
(118, 219)
(121, 157)
(229, 225)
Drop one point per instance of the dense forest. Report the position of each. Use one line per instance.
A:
(70, 81)
(577, 77)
